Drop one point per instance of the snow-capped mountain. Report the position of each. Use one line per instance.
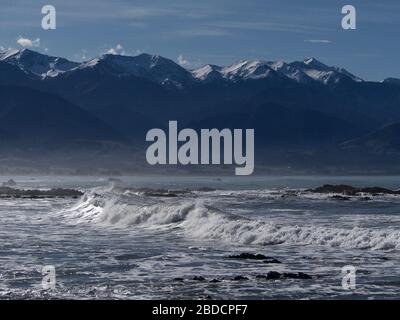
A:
(323, 73)
(41, 65)
(208, 72)
(245, 70)
(303, 72)
(151, 67)
(290, 71)
(166, 72)
(240, 71)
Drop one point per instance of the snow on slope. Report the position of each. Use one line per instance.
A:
(153, 67)
(38, 64)
(303, 72)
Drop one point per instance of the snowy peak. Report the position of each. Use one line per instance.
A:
(313, 63)
(8, 53)
(322, 73)
(152, 67)
(290, 71)
(242, 70)
(307, 71)
(246, 69)
(208, 72)
(41, 65)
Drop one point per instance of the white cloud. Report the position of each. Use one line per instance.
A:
(183, 61)
(119, 49)
(28, 43)
(266, 26)
(318, 41)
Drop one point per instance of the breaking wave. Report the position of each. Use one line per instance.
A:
(196, 218)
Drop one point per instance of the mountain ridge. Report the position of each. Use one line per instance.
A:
(165, 71)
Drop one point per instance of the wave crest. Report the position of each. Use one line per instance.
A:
(196, 219)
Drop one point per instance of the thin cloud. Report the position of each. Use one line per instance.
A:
(28, 43)
(183, 62)
(118, 50)
(267, 26)
(318, 41)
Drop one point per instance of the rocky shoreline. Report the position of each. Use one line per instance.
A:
(8, 192)
(353, 191)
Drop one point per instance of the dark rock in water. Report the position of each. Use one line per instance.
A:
(378, 190)
(289, 194)
(9, 183)
(328, 188)
(251, 256)
(299, 275)
(271, 260)
(198, 278)
(365, 199)
(178, 279)
(7, 192)
(361, 271)
(240, 278)
(340, 198)
(384, 258)
(353, 191)
(273, 275)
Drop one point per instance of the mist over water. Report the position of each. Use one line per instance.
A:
(141, 237)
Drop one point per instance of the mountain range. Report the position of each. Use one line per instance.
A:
(164, 71)
(307, 115)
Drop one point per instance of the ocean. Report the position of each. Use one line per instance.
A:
(181, 238)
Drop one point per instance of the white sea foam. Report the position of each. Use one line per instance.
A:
(195, 217)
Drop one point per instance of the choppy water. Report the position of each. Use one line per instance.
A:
(122, 242)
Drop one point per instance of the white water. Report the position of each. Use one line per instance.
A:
(123, 242)
(196, 214)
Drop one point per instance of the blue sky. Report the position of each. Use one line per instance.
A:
(213, 31)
